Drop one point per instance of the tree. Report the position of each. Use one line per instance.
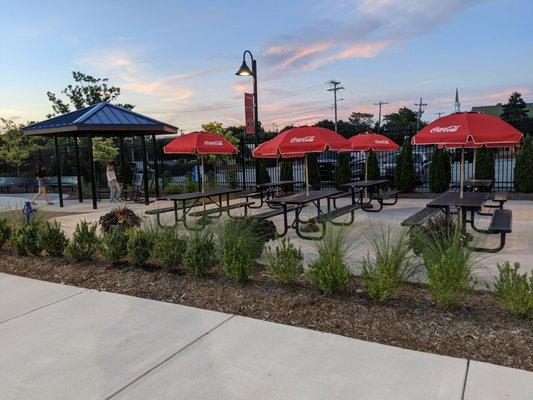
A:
(313, 171)
(405, 173)
(361, 122)
(440, 172)
(286, 174)
(262, 173)
(484, 163)
(402, 122)
(217, 128)
(515, 112)
(523, 178)
(372, 166)
(15, 148)
(342, 173)
(104, 150)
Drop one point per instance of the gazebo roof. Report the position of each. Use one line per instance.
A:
(102, 119)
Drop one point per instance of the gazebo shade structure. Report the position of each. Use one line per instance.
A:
(101, 120)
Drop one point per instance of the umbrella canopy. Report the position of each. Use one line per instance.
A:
(468, 130)
(200, 143)
(269, 149)
(372, 141)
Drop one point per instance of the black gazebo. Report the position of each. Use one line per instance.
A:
(101, 120)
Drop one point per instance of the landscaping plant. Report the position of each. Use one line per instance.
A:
(523, 178)
(390, 265)
(405, 173)
(343, 172)
(286, 262)
(140, 242)
(262, 173)
(437, 229)
(200, 256)
(25, 238)
(114, 245)
(5, 231)
(84, 242)
(190, 185)
(169, 248)
(121, 217)
(173, 188)
(285, 174)
(329, 271)
(515, 290)
(484, 163)
(372, 166)
(440, 171)
(52, 239)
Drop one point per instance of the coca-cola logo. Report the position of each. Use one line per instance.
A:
(382, 141)
(445, 129)
(304, 139)
(213, 143)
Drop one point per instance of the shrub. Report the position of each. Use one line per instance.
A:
(314, 171)
(264, 230)
(239, 246)
(484, 163)
(343, 172)
(140, 244)
(52, 239)
(286, 174)
(200, 256)
(5, 231)
(173, 188)
(212, 180)
(329, 271)
(372, 166)
(437, 229)
(523, 178)
(114, 245)
(84, 242)
(262, 173)
(515, 290)
(448, 268)
(440, 171)
(25, 238)
(286, 262)
(169, 248)
(390, 266)
(190, 184)
(231, 177)
(405, 173)
(122, 217)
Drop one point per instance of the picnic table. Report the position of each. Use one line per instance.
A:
(372, 186)
(266, 191)
(477, 184)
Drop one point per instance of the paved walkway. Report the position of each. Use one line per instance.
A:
(62, 342)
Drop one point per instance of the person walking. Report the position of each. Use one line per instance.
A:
(42, 178)
(112, 182)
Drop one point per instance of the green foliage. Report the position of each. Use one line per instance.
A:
(449, 272)
(329, 271)
(25, 238)
(140, 244)
(440, 171)
(173, 188)
(84, 242)
(372, 165)
(515, 111)
(52, 239)
(342, 173)
(314, 171)
(217, 128)
(405, 173)
(286, 174)
(5, 231)
(285, 263)
(200, 256)
(104, 150)
(437, 229)
(402, 120)
(238, 246)
(15, 148)
(114, 245)
(484, 163)
(361, 122)
(390, 265)
(231, 177)
(263, 230)
(515, 290)
(169, 248)
(523, 178)
(190, 185)
(262, 173)
(212, 180)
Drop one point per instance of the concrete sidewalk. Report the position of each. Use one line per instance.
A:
(62, 342)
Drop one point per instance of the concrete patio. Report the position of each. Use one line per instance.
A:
(62, 342)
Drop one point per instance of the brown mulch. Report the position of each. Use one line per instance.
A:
(480, 330)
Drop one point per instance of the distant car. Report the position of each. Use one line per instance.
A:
(421, 162)
(327, 162)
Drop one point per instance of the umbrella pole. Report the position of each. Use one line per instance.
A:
(306, 176)
(277, 172)
(203, 181)
(366, 173)
(462, 173)
(474, 165)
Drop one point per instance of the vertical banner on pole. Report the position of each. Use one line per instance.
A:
(249, 113)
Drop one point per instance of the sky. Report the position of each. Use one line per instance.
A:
(176, 60)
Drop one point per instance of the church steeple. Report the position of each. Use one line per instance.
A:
(457, 104)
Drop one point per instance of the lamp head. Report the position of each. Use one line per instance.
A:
(244, 70)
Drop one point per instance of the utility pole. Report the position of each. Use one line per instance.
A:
(380, 103)
(439, 114)
(419, 113)
(334, 88)
(274, 127)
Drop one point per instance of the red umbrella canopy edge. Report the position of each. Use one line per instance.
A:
(200, 143)
(367, 141)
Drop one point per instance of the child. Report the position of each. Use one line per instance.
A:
(42, 178)
(112, 182)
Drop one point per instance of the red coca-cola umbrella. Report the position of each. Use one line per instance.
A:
(369, 141)
(200, 143)
(468, 130)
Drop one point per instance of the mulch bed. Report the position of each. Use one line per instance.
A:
(480, 330)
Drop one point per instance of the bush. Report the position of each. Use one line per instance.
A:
(405, 173)
(5, 231)
(239, 246)
(84, 242)
(390, 266)
(372, 166)
(343, 172)
(114, 245)
(448, 268)
(440, 171)
(264, 230)
(262, 173)
(25, 238)
(212, 180)
(286, 174)
(523, 178)
(200, 256)
(329, 271)
(121, 217)
(436, 230)
(286, 262)
(515, 290)
(169, 248)
(140, 244)
(484, 163)
(173, 188)
(231, 177)
(190, 185)
(314, 171)
(52, 239)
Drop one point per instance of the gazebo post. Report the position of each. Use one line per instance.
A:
(156, 167)
(78, 169)
(93, 173)
(145, 172)
(58, 167)
(122, 158)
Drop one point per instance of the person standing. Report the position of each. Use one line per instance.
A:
(112, 182)
(42, 179)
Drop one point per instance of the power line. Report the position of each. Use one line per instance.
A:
(420, 112)
(334, 88)
(380, 103)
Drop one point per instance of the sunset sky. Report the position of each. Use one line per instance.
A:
(176, 60)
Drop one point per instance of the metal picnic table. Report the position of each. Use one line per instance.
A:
(359, 187)
(267, 190)
(471, 201)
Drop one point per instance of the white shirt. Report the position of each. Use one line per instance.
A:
(111, 176)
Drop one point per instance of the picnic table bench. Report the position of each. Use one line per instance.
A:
(420, 217)
(22, 182)
(500, 223)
